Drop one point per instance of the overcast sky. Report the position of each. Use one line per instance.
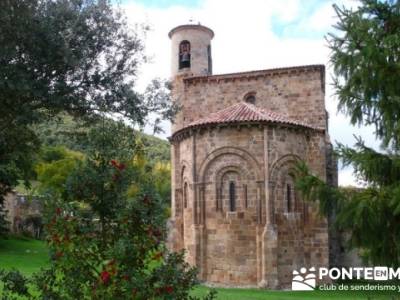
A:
(250, 35)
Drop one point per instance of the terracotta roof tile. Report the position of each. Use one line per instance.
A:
(246, 112)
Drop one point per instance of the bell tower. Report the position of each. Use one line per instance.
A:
(191, 50)
(191, 56)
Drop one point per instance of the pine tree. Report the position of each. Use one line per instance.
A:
(366, 63)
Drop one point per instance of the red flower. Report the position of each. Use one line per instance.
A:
(58, 211)
(117, 165)
(169, 289)
(105, 277)
(114, 163)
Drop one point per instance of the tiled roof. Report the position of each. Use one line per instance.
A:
(246, 113)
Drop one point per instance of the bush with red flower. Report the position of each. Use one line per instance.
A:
(117, 251)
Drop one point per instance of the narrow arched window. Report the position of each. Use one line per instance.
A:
(184, 55)
(185, 194)
(289, 197)
(246, 204)
(232, 196)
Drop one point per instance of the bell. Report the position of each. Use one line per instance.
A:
(185, 57)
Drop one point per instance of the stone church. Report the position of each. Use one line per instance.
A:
(235, 144)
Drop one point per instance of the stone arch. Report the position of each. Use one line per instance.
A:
(229, 150)
(185, 167)
(184, 54)
(282, 167)
(231, 168)
(288, 159)
(288, 220)
(185, 203)
(184, 179)
(185, 175)
(221, 181)
(227, 228)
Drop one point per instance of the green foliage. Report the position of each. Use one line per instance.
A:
(55, 166)
(162, 180)
(62, 130)
(263, 294)
(157, 150)
(314, 189)
(72, 134)
(378, 169)
(13, 283)
(117, 251)
(78, 57)
(69, 56)
(18, 145)
(365, 57)
(371, 215)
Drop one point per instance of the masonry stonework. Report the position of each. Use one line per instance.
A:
(235, 209)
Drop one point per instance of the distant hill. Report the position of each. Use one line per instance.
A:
(65, 131)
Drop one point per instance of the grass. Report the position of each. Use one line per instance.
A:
(28, 255)
(25, 254)
(257, 294)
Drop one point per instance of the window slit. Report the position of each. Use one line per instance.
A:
(185, 192)
(232, 196)
(289, 197)
(245, 196)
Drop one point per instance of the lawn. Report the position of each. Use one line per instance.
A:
(29, 255)
(26, 255)
(256, 294)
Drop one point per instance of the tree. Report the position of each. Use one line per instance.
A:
(71, 133)
(73, 56)
(118, 252)
(55, 166)
(55, 163)
(366, 61)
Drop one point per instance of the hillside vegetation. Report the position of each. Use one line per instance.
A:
(65, 131)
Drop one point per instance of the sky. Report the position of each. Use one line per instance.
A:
(251, 35)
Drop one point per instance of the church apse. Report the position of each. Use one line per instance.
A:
(235, 144)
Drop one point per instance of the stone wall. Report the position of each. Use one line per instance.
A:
(233, 247)
(24, 214)
(295, 92)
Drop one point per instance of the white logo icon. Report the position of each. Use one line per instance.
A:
(381, 273)
(304, 281)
